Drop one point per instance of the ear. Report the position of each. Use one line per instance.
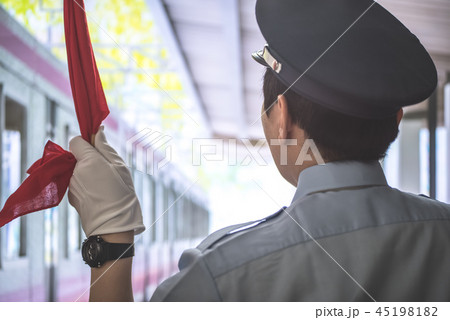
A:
(283, 119)
(399, 116)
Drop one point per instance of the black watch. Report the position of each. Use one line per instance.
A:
(96, 251)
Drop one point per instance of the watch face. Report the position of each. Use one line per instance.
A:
(93, 252)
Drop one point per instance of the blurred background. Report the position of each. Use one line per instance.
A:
(185, 100)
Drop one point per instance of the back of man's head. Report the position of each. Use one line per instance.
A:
(339, 137)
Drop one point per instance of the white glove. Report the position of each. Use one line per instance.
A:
(101, 189)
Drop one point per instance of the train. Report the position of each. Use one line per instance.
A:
(40, 258)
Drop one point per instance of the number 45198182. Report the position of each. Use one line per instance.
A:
(407, 311)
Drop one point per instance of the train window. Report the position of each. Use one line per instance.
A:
(205, 218)
(179, 218)
(13, 165)
(166, 216)
(169, 214)
(195, 215)
(186, 228)
(189, 224)
(191, 219)
(138, 186)
(145, 203)
(196, 220)
(189, 213)
(172, 215)
(148, 205)
(51, 118)
(152, 194)
(159, 209)
(74, 236)
(73, 231)
(10, 182)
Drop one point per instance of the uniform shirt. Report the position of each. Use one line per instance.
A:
(347, 236)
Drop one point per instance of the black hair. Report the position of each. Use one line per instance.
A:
(339, 137)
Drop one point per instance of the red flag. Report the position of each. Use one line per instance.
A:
(87, 90)
(50, 176)
(45, 186)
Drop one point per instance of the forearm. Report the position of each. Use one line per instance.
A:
(101, 179)
(112, 281)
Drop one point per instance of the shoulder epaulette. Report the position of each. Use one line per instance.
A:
(225, 232)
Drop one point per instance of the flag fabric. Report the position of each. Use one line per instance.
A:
(49, 176)
(87, 91)
(45, 186)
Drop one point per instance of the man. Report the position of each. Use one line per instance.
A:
(338, 73)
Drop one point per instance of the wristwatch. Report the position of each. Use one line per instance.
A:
(96, 251)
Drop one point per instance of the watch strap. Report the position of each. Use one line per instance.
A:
(116, 251)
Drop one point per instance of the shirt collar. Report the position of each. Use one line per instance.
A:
(338, 175)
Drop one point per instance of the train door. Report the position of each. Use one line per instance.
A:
(13, 236)
(51, 220)
(417, 161)
(447, 126)
(152, 229)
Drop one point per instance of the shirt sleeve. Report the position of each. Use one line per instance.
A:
(193, 283)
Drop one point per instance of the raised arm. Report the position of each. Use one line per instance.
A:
(102, 192)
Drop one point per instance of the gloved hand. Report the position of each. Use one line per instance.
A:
(101, 189)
